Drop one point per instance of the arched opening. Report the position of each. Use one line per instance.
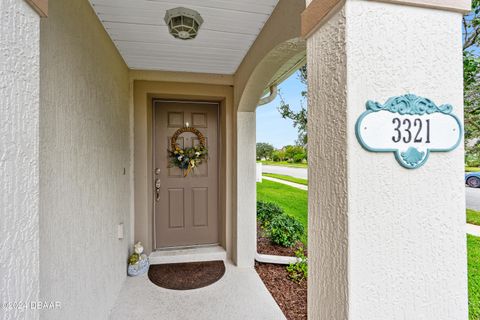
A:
(282, 196)
(277, 65)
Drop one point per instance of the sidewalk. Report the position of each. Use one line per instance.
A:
(288, 183)
(473, 230)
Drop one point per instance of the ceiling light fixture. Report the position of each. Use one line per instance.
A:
(183, 23)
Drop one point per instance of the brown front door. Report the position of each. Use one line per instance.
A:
(185, 208)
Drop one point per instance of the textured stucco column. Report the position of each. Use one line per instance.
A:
(246, 231)
(384, 242)
(19, 138)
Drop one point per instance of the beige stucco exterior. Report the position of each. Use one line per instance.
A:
(277, 49)
(19, 168)
(384, 242)
(88, 166)
(272, 57)
(84, 160)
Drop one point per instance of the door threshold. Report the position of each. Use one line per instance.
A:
(189, 254)
(196, 246)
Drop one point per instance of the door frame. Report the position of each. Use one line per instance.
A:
(156, 87)
(220, 212)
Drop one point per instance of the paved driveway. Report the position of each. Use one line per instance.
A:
(473, 198)
(287, 171)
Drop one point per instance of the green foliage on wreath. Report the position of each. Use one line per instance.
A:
(189, 157)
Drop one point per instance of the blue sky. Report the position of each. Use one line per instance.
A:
(271, 127)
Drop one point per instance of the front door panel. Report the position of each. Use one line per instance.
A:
(186, 208)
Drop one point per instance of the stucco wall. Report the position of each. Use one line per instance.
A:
(327, 189)
(385, 242)
(246, 218)
(407, 228)
(277, 47)
(84, 163)
(19, 104)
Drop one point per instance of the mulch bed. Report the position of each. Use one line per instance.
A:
(289, 295)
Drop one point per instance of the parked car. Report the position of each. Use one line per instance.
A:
(472, 179)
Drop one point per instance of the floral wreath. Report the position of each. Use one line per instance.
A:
(187, 158)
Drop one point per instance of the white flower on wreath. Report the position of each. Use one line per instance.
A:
(197, 153)
(180, 158)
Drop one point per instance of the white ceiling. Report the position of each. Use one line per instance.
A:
(138, 30)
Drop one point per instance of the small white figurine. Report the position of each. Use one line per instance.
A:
(138, 248)
(138, 261)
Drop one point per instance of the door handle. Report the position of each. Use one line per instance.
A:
(158, 184)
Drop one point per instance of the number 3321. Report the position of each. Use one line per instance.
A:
(407, 130)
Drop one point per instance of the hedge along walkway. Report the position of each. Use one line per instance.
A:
(288, 183)
(293, 201)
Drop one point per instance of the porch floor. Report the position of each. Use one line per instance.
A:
(240, 294)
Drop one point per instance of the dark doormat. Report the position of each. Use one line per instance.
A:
(186, 276)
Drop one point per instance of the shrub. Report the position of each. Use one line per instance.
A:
(278, 155)
(275, 157)
(291, 151)
(299, 157)
(472, 160)
(285, 230)
(298, 271)
(266, 211)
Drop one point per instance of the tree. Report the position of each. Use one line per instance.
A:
(264, 150)
(279, 155)
(471, 70)
(299, 118)
(295, 153)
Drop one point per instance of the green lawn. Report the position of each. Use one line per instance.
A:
(287, 178)
(473, 247)
(293, 200)
(472, 169)
(473, 217)
(284, 164)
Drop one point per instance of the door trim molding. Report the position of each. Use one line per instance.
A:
(220, 212)
(40, 6)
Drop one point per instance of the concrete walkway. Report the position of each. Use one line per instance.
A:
(301, 173)
(473, 230)
(472, 196)
(239, 295)
(288, 183)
